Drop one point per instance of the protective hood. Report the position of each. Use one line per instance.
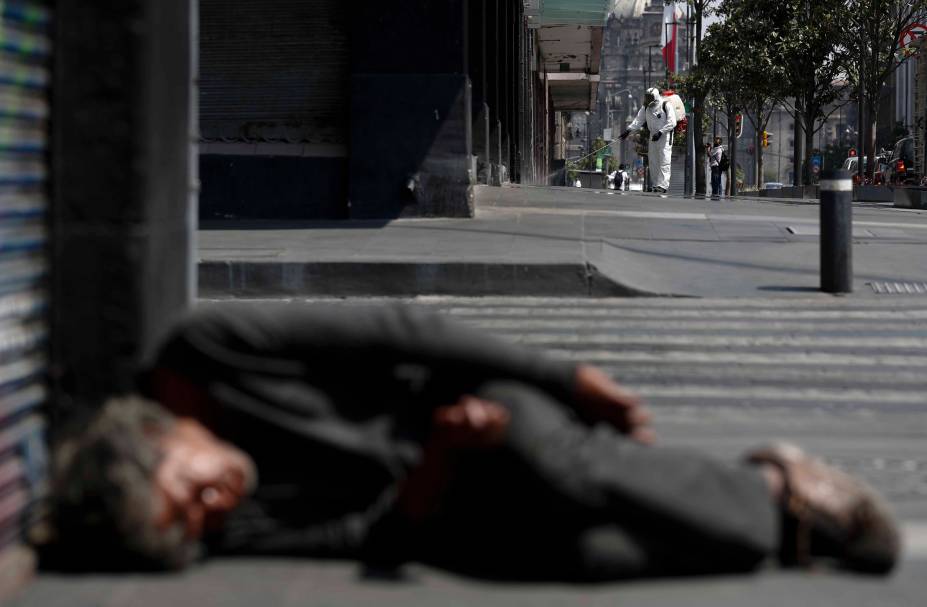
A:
(653, 93)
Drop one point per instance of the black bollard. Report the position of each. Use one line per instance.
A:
(836, 232)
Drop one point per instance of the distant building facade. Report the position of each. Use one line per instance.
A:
(324, 109)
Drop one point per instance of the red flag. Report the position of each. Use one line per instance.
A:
(668, 38)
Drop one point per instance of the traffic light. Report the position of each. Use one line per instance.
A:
(766, 137)
(739, 125)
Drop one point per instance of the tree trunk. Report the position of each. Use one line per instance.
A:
(871, 126)
(732, 152)
(699, 115)
(860, 129)
(796, 145)
(760, 127)
(809, 147)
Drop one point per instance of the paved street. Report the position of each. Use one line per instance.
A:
(844, 377)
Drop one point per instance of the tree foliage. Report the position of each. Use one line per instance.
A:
(872, 38)
(810, 56)
(768, 52)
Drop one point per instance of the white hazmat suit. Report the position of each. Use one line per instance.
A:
(660, 117)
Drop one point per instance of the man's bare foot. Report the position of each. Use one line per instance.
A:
(827, 513)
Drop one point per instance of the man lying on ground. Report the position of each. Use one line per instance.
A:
(388, 435)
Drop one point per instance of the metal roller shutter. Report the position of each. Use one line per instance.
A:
(274, 71)
(24, 77)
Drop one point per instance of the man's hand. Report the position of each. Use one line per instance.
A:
(600, 398)
(656, 136)
(624, 135)
(470, 423)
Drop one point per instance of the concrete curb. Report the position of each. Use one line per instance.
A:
(345, 279)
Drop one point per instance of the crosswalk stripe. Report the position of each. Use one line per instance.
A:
(788, 314)
(915, 539)
(773, 393)
(667, 371)
(742, 358)
(572, 323)
(614, 303)
(748, 341)
(727, 354)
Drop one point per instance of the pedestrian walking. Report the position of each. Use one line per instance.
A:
(613, 180)
(715, 156)
(387, 435)
(624, 177)
(658, 115)
(619, 177)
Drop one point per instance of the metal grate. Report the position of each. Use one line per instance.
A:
(25, 52)
(899, 288)
(274, 71)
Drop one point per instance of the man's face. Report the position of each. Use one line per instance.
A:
(717, 141)
(199, 479)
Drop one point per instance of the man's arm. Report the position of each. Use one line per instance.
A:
(359, 344)
(638, 123)
(309, 341)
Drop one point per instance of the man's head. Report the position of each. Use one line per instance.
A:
(135, 488)
(652, 95)
(717, 141)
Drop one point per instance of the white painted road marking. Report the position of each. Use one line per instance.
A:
(796, 342)
(915, 540)
(688, 216)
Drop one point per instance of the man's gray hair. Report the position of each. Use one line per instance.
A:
(103, 492)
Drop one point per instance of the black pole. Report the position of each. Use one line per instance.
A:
(836, 232)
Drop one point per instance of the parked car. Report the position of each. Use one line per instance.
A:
(880, 174)
(772, 185)
(851, 164)
(901, 169)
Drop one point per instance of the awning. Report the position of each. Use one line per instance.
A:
(570, 41)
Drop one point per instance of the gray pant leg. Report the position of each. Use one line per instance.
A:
(673, 510)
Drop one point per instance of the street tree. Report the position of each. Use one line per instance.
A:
(700, 9)
(720, 74)
(806, 37)
(873, 36)
(760, 70)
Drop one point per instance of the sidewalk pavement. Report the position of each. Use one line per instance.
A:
(566, 242)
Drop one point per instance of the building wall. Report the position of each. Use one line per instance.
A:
(274, 109)
(318, 109)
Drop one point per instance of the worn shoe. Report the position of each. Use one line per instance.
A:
(659, 190)
(829, 514)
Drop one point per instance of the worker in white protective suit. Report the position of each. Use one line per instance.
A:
(660, 118)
